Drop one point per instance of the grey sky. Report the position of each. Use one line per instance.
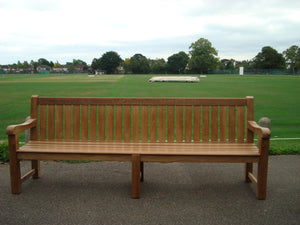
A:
(61, 30)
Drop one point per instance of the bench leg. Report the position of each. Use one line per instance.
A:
(142, 171)
(262, 170)
(136, 169)
(35, 164)
(248, 168)
(15, 177)
(14, 165)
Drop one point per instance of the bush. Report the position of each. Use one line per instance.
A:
(4, 152)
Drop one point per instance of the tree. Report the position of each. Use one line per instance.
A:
(110, 61)
(269, 58)
(44, 62)
(139, 64)
(127, 65)
(292, 56)
(34, 64)
(203, 56)
(157, 66)
(77, 62)
(95, 64)
(177, 62)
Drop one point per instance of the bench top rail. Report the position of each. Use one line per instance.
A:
(144, 101)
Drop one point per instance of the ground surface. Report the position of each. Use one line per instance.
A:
(172, 193)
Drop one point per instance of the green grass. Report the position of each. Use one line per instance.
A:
(276, 97)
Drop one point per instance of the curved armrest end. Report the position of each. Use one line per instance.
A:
(15, 129)
(262, 132)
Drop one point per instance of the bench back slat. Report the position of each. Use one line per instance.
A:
(136, 123)
(93, 122)
(68, 122)
(171, 123)
(145, 119)
(223, 123)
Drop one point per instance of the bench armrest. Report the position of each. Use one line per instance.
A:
(15, 129)
(262, 132)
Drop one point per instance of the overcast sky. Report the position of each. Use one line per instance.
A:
(63, 30)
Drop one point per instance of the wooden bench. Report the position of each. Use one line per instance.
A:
(141, 130)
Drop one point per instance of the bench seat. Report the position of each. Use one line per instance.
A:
(67, 149)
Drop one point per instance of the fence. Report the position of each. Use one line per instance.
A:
(258, 72)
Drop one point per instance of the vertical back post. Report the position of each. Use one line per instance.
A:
(249, 134)
(35, 164)
(250, 117)
(34, 115)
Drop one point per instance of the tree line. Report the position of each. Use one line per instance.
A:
(202, 58)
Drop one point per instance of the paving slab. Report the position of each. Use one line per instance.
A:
(172, 193)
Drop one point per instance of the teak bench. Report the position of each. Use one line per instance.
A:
(141, 130)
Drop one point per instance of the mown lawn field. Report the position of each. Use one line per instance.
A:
(276, 97)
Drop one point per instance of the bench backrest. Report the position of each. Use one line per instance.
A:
(143, 119)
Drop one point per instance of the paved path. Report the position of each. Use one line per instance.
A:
(172, 193)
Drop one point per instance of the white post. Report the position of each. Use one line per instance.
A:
(241, 70)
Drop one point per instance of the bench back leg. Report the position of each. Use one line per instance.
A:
(248, 169)
(35, 164)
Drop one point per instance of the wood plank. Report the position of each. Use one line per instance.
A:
(118, 126)
(127, 123)
(76, 122)
(179, 123)
(51, 122)
(223, 124)
(231, 125)
(205, 123)
(144, 124)
(214, 123)
(185, 158)
(84, 122)
(153, 123)
(28, 175)
(144, 101)
(75, 156)
(93, 122)
(68, 122)
(59, 122)
(171, 125)
(240, 124)
(136, 123)
(162, 124)
(188, 124)
(110, 122)
(43, 122)
(101, 123)
(252, 178)
(197, 125)
(146, 148)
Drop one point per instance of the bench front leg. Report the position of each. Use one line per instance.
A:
(136, 166)
(262, 170)
(14, 165)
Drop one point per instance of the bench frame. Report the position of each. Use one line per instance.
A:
(215, 132)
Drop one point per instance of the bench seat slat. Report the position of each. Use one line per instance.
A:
(86, 147)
